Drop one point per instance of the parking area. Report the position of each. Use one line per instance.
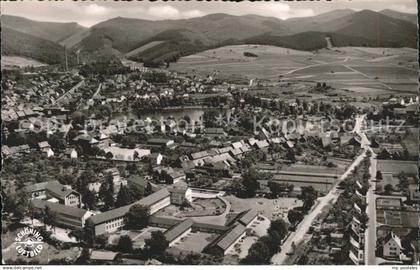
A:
(240, 250)
(270, 208)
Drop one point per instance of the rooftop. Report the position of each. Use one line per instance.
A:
(59, 208)
(121, 211)
(229, 238)
(178, 230)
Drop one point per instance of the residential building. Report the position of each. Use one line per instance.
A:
(63, 194)
(180, 195)
(391, 246)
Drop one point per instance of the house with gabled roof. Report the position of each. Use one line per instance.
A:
(66, 216)
(174, 234)
(391, 246)
(63, 194)
(104, 256)
(226, 242)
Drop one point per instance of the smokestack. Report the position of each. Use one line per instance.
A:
(77, 54)
(65, 55)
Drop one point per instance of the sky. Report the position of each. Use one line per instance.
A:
(89, 13)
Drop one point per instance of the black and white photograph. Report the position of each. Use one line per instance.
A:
(210, 133)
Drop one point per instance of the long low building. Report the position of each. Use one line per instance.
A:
(66, 216)
(113, 220)
(320, 181)
(227, 241)
(178, 231)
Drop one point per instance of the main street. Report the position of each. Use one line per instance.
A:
(297, 236)
(370, 234)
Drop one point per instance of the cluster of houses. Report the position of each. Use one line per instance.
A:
(217, 161)
(402, 107)
(40, 90)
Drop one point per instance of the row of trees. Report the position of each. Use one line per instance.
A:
(261, 251)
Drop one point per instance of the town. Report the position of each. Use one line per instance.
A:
(117, 163)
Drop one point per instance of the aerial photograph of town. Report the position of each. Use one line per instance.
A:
(210, 133)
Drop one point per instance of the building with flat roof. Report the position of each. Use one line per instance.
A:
(113, 220)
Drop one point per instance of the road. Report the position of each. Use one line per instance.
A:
(297, 236)
(366, 76)
(316, 65)
(71, 91)
(217, 220)
(370, 234)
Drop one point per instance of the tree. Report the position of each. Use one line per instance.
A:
(89, 233)
(125, 244)
(209, 117)
(109, 155)
(84, 257)
(79, 234)
(106, 191)
(279, 226)
(388, 189)
(89, 199)
(137, 217)
(258, 253)
(276, 188)
(308, 196)
(157, 244)
(124, 197)
(136, 192)
(272, 240)
(294, 216)
(49, 217)
(250, 183)
(19, 204)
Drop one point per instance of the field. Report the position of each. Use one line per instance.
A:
(19, 61)
(365, 71)
(143, 48)
(397, 166)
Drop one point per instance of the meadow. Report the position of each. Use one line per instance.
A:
(19, 61)
(366, 71)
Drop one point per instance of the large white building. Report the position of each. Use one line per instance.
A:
(113, 220)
